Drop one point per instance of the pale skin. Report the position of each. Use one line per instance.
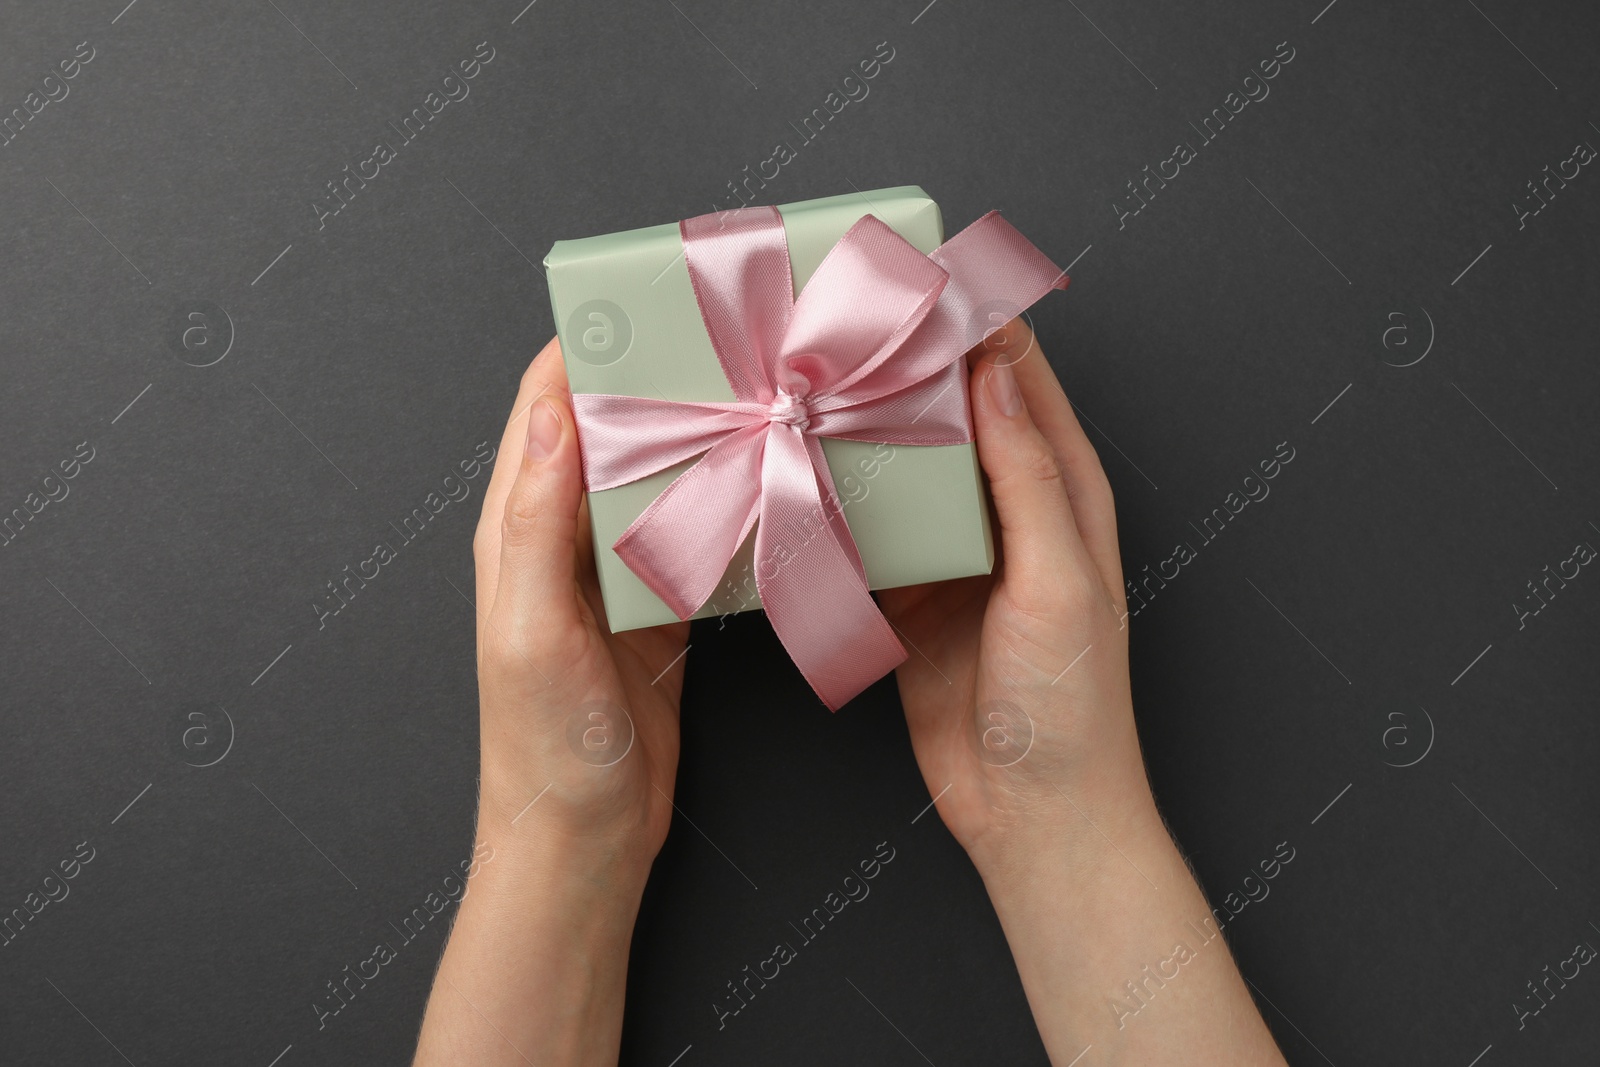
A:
(1050, 800)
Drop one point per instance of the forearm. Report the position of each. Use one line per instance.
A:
(1114, 941)
(536, 965)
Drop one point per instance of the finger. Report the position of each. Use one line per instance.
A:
(588, 575)
(536, 595)
(1038, 536)
(545, 374)
(1088, 490)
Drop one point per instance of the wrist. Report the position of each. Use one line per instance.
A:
(1068, 831)
(528, 893)
(611, 809)
(1103, 915)
(539, 949)
(534, 849)
(1087, 889)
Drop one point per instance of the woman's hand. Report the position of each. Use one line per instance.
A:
(579, 735)
(578, 721)
(1017, 689)
(1019, 707)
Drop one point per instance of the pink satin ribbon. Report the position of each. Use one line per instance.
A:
(871, 351)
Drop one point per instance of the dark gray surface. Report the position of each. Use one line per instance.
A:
(1288, 666)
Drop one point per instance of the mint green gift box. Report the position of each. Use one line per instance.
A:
(629, 325)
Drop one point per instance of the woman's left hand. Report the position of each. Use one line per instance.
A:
(579, 740)
(578, 721)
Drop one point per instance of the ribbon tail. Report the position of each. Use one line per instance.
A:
(810, 576)
(832, 506)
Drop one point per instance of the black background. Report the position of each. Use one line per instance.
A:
(178, 575)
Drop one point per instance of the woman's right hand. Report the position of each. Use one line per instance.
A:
(1016, 690)
(1021, 716)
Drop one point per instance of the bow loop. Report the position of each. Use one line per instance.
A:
(867, 296)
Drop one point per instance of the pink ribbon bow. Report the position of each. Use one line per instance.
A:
(871, 351)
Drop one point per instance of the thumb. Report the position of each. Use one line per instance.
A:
(1039, 539)
(536, 600)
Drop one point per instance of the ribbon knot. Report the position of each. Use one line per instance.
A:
(876, 338)
(790, 410)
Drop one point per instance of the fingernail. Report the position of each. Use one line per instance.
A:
(1003, 389)
(544, 430)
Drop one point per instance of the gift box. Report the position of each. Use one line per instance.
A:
(682, 349)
